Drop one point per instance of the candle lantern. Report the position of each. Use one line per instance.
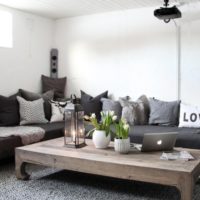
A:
(74, 126)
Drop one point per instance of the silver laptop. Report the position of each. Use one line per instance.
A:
(159, 141)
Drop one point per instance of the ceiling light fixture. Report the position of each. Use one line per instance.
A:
(167, 13)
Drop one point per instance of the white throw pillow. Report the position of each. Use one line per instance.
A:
(189, 116)
(57, 109)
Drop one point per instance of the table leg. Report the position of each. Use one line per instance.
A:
(186, 188)
(20, 168)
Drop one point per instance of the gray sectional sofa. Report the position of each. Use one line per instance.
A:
(187, 137)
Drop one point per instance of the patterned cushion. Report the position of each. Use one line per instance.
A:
(28, 134)
(58, 109)
(31, 112)
(135, 112)
(47, 96)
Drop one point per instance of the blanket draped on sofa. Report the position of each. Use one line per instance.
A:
(28, 134)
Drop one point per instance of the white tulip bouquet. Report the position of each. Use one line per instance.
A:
(107, 118)
(122, 129)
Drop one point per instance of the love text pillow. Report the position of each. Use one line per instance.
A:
(189, 116)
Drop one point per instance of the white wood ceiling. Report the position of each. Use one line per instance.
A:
(56, 9)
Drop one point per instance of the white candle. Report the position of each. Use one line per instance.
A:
(74, 136)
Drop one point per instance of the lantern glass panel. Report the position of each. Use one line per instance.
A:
(80, 127)
(74, 126)
(69, 126)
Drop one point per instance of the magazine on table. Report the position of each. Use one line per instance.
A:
(181, 155)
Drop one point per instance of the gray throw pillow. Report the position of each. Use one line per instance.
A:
(135, 112)
(47, 96)
(31, 112)
(110, 105)
(163, 112)
(31, 96)
(56, 84)
(92, 104)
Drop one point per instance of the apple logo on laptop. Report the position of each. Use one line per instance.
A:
(159, 142)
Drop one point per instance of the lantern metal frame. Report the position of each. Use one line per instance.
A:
(74, 133)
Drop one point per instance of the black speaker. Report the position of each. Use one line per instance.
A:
(54, 63)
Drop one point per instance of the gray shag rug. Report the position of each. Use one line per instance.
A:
(48, 183)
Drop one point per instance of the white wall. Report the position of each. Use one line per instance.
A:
(190, 62)
(22, 65)
(127, 52)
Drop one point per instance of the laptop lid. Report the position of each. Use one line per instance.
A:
(159, 141)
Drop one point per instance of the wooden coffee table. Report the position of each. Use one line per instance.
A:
(138, 166)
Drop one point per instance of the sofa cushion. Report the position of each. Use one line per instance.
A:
(52, 130)
(28, 134)
(92, 104)
(31, 112)
(56, 84)
(8, 144)
(31, 96)
(187, 137)
(163, 112)
(47, 96)
(135, 112)
(110, 105)
(58, 109)
(9, 111)
(189, 116)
